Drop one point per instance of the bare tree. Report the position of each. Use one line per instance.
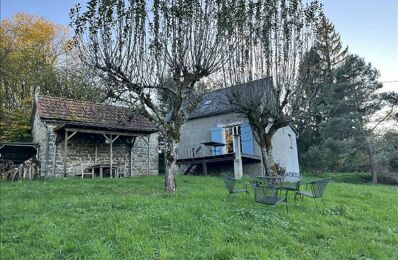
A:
(385, 104)
(154, 54)
(272, 39)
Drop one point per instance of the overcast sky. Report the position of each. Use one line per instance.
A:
(368, 27)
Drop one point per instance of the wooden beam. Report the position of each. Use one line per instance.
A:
(96, 153)
(66, 152)
(70, 136)
(55, 154)
(148, 161)
(204, 165)
(106, 137)
(145, 140)
(131, 155)
(209, 159)
(133, 141)
(111, 155)
(187, 171)
(93, 131)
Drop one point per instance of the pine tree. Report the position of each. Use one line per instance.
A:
(329, 48)
(316, 75)
(350, 103)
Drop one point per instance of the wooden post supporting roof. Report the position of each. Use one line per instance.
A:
(148, 151)
(110, 139)
(204, 166)
(96, 153)
(67, 137)
(147, 142)
(238, 168)
(131, 155)
(111, 155)
(65, 152)
(54, 154)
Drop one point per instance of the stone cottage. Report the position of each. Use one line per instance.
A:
(215, 139)
(71, 132)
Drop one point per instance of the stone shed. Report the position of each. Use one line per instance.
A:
(71, 132)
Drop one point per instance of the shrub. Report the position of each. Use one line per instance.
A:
(388, 178)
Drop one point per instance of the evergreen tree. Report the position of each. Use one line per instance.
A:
(350, 103)
(352, 99)
(316, 75)
(329, 48)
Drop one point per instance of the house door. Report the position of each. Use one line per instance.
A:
(229, 141)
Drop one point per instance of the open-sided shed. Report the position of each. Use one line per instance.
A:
(18, 152)
(71, 132)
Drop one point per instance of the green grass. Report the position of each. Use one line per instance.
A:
(134, 218)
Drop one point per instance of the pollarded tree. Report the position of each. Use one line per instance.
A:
(155, 53)
(272, 39)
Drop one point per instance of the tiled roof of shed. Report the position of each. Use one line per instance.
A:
(92, 114)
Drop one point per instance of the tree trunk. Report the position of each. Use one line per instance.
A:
(267, 158)
(170, 182)
(268, 162)
(372, 163)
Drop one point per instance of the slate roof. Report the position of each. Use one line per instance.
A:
(93, 115)
(216, 102)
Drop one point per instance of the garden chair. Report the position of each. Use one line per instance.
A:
(122, 170)
(78, 169)
(267, 193)
(230, 182)
(316, 191)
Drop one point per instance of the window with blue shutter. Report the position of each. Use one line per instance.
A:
(247, 139)
(216, 136)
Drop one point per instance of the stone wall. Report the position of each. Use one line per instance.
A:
(81, 148)
(40, 136)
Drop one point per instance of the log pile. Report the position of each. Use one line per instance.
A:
(8, 170)
(11, 172)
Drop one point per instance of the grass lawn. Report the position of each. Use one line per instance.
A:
(134, 218)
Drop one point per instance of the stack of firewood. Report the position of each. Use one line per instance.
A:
(8, 171)
(29, 170)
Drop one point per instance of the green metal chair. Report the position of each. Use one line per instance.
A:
(316, 191)
(267, 193)
(230, 182)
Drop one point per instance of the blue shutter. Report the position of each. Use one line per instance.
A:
(247, 139)
(216, 136)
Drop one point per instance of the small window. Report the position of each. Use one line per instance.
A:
(290, 141)
(206, 104)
